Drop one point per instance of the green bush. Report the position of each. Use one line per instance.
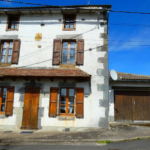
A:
(107, 141)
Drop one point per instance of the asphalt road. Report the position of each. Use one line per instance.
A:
(130, 145)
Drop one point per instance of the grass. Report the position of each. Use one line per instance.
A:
(125, 140)
(102, 142)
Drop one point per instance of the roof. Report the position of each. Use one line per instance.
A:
(54, 6)
(15, 72)
(51, 9)
(131, 77)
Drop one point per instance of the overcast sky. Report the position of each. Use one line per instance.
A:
(129, 34)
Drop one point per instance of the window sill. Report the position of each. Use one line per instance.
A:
(11, 29)
(5, 64)
(67, 65)
(69, 29)
(68, 118)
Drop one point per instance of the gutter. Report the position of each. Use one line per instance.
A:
(110, 80)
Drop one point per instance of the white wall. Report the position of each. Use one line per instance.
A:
(32, 56)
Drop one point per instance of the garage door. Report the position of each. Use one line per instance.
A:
(132, 105)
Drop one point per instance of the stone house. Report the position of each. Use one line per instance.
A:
(129, 99)
(54, 67)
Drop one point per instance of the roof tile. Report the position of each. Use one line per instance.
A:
(15, 72)
(129, 76)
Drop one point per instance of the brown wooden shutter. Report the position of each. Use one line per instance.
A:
(0, 47)
(79, 102)
(7, 22)
(9, 101)
(80, 52)
(16, 50)
(53, 102)
(56, 52)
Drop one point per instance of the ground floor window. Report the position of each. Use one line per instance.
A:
(70, 100)
(3, 93)
(67, 101)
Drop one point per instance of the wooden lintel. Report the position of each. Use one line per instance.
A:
(51, 79)
(1, 79)
(38, 79)
(14, 79)
(26, 79)
(79, 80)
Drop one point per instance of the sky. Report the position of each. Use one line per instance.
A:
(129, 34)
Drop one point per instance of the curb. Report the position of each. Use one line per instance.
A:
(59, 141)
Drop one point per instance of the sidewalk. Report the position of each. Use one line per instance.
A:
(118, 132)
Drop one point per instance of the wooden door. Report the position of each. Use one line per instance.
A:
(123, 105)
(34, 108)
(132, 105)
(137, 103)
(30, 112)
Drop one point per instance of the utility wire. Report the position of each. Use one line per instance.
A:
(75, 53)
(131, 12)
(128, 24)
(24, 2)
(84, 39)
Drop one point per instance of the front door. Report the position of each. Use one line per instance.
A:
(30, 112)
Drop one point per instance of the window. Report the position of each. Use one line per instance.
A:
(12, 22)
(9, 52)
(3, 93)
(6, 52)
(67, 101)
(69, 22)
(68, 54)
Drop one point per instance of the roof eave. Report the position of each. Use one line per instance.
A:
(46, 10)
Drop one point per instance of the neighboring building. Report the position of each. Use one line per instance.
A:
(54, 67)
(129, 98)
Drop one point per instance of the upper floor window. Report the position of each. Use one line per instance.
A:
(12, 22)
(9, 51)
(69, 22)
(68, 52)
(6, 52)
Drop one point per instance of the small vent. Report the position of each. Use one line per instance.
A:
(42, 24)
(67, 130)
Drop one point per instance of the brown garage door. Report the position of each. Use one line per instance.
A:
(132, 105)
